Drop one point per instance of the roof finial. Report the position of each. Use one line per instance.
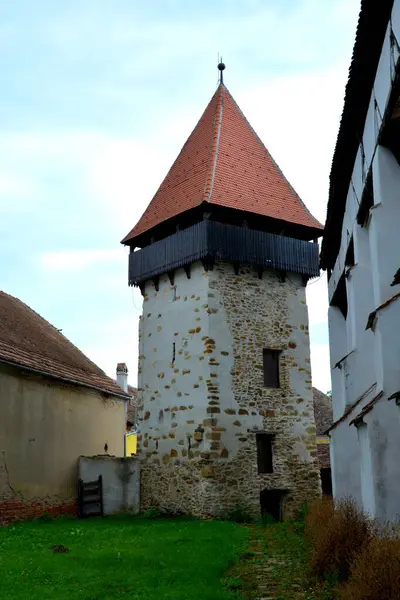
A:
(221, 68)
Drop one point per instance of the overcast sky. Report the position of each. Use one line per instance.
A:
(97, 99)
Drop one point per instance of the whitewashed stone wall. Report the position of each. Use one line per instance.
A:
(365, 462)
(201, 364)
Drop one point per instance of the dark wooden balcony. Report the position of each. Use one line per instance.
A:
(210, 241)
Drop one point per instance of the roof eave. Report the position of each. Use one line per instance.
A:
(134, 240)
(19, 365)
(373, 19)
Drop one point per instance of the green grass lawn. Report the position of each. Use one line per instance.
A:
(119, 557)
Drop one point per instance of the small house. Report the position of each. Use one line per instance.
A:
(55, 405)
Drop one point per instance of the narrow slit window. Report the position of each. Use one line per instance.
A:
(264, 452)
(350, 261)
(271, 368)
(340, 297)
(367, 201)
(173, 351)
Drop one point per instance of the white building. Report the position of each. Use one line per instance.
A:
(361, 252)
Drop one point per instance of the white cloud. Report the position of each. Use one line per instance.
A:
(121, 349)
(113, 340)
(290, 34)
(12, 187)
(320, 367)
(122, 173)
(115, 175)
(119, 175)
(78, 260)
(317, 301)
(297, 117)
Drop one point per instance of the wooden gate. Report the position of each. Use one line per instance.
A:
(90, 498)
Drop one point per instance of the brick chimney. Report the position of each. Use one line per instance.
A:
(122, 376)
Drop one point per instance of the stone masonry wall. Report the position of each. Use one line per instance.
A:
(201, 365)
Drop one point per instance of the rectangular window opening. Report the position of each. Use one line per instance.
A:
(367, 201)
(340, 297)
(265, 452)
(271, 368)
(350, 261)
(173, 351)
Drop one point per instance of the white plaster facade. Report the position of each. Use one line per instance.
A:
(365, 362)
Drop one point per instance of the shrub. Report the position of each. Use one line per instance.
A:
(375, 573)
(336, 531)
(318, 518)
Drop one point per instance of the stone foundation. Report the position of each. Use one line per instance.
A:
(203, 397)
(211, 489)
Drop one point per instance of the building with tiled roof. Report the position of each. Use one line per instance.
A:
(55, 405)
(222, 255)
(30, 342)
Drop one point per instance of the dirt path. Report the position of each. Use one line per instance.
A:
(275, 566)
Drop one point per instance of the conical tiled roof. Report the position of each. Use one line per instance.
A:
(224, 162)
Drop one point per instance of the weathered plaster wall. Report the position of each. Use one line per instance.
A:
(374, 351)
(121, 481)
(219, 323)
(44, 427)
(369, 141)
(373, 360)
(365, 463)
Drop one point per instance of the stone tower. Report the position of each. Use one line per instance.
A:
(222, 255)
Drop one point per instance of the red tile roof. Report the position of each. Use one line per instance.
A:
(224, 162)
(27, 340)
(133, 405)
